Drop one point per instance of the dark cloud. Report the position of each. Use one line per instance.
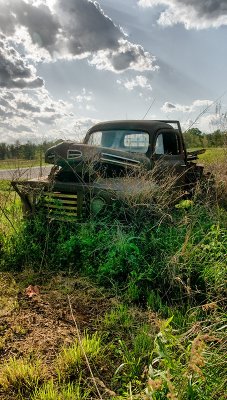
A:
(72, 28)
(4, 102)
(197, 14)
(206, 8)
(76, 27)
(28, 107)
(42, 25)
(49, 109)
(86, 28)
(170, 105)
(9, 95)
(25, 84)
(122, 60)
(14, 72)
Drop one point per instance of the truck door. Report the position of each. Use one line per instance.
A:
(169, 154)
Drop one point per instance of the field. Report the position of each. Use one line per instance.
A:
(214, 155)
(17, 163)
(109, 310)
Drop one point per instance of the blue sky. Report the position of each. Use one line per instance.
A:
(66, 64)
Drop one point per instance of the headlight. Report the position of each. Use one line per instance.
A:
(97, 204)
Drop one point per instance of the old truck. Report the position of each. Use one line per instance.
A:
(88, 177)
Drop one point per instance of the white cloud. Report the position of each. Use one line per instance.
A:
(197, 14)
(139, 81)
(207, 123)
(28, 113)
(127, 56)
(170, 107)
(36, 116)
(84, 100)
(84, 96)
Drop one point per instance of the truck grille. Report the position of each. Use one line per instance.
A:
(64, 206)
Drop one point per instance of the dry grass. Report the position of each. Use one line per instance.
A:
(218, 170)
(8, 294)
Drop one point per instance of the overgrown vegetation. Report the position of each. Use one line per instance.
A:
(194, 138)
(151, 325)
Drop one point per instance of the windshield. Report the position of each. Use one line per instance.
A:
(125, 140)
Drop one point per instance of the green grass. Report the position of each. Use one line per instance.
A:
(163, 335)
(21, 375)
(214, 155)
(18, 163)
(52, 391)
(71, 360)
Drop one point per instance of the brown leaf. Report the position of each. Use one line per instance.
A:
(31, 291)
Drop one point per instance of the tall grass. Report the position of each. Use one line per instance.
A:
(182, 258)
(164, 338)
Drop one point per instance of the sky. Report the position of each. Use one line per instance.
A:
(68, 64)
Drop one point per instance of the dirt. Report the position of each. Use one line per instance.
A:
(42, 324)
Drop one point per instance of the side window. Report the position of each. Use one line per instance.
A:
(159, 146)
(167, 143)
(95, 138)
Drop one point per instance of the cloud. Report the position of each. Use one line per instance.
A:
(128, 56)
(208, 123)
(72, 29)
(197, 14)
(14, 71)
(170, 107)
(42, 26)
(35, 116)
(29, 111)
(80, 128)
(84, 100)
(139, 81)
(28, 106)
(84, 96)
(85, 27)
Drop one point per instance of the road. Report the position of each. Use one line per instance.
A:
(24, 173)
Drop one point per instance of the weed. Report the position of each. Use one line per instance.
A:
(53, 391)
(21, 375)
(119, 316)
(71, 359)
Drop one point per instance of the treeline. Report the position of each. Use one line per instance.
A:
(194, 138)
(26, 151)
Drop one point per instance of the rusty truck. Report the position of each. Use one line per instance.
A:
(86, 178)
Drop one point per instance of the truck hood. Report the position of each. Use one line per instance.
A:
(78, 158)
